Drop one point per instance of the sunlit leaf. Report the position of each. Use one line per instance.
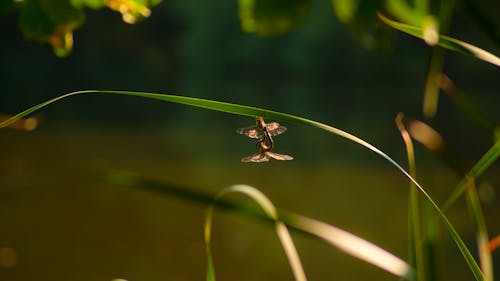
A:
(131, 10)
(271, 17)
(445, 41)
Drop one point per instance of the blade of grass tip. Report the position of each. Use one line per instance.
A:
(414, 221)
(253, 111)
(290, 219)
(271, 212)
(477, 215)
(445, 41)
(477, 170)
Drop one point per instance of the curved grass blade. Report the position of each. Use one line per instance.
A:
(414, 221)
(445, 41)
(255, 112)
(272, 213)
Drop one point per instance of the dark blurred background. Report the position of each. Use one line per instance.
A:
(61, 220)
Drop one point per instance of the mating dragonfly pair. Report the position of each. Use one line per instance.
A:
(263, 133)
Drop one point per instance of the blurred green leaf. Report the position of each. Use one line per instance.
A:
(445, 42)
(272, 17)
(404, 12)
(34, 23)
(61, 12)
(51, 22)
(361, 17)
(94, 4)
(345, 10)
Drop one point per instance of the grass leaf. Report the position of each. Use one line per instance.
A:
(445, 41)
(414, 221)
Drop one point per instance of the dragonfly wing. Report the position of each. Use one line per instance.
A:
(278, 156)
(252, 132)
(278, 131)
(259, 157)
(272, 126)
(275, 129)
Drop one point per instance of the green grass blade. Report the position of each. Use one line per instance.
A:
(445, 41)
(254, 111)
(272, 213)
(482, 231)
(414, 221)
(484, 163)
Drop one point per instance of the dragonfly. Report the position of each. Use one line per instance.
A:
(265, 145)
(257, 131)
(265, 154)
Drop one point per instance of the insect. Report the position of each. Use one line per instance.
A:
(265, 145)
(257, 131)
(264, 156)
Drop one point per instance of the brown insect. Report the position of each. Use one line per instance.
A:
(265, 145)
